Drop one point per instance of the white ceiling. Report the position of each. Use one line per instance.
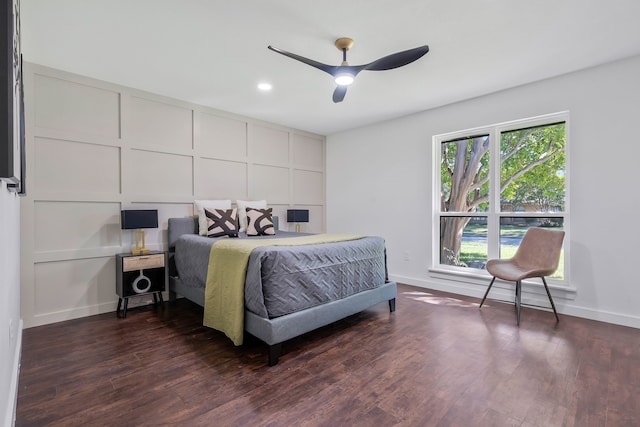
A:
(214, 52)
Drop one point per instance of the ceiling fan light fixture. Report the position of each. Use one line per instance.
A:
(344, 79)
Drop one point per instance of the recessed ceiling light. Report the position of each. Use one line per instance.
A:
(265, 87)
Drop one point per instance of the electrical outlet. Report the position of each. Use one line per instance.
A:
(405, 255)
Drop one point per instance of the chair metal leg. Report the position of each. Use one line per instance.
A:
(518, 300)
(553, 306)
(487, 293)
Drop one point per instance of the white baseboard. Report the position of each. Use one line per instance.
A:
(70, 314)
(530, 296)
(10, 416)
(90, 310)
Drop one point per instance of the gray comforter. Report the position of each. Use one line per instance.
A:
(285, 279)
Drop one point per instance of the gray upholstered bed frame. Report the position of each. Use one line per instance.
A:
(275, 331)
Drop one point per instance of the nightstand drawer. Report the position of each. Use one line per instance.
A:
(142, 262)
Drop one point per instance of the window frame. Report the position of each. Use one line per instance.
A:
(494, 213)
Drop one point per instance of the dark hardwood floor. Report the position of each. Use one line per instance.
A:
(437, 361)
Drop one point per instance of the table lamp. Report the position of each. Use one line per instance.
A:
(297, 216)
(139, 220)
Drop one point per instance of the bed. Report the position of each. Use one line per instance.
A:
(289, 290)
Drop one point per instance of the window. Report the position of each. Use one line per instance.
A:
(493, 184)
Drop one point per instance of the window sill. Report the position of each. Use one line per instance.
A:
(532, 286)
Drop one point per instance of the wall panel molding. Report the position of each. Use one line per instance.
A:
(95, 148)
(76, 107)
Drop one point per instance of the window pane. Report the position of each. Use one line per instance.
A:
(464, 172)
(467, 248)
(512, 230)
(532, 172)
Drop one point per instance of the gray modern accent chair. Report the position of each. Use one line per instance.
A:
(537, 256)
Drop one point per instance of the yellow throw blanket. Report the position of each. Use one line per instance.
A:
(224, 291)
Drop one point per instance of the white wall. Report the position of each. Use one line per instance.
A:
(10, 324)
(94, 148)
(379, 181)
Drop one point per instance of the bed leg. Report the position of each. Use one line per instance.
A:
(274, 353)
(392, 305)
(172, 297)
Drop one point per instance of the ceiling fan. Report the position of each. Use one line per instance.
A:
(344, 74)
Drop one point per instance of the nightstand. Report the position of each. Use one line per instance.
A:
(140, 275)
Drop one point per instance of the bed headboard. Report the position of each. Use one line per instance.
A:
(189, 225)
(179, 226)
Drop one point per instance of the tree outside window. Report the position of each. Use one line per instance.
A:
(496, 183)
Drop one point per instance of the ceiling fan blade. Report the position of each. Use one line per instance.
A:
(396, 60)
(339, 93)
(319, 65)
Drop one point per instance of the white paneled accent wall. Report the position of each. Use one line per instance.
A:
(94, 148)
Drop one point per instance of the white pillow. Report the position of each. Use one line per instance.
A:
(211, 204)
(242, 210)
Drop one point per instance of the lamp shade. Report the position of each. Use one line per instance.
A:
(135, 219)
(297, 215)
